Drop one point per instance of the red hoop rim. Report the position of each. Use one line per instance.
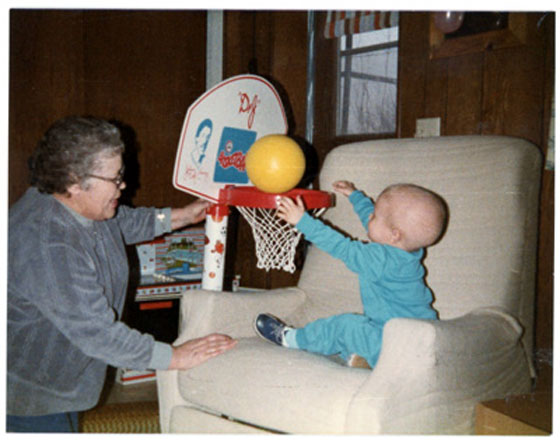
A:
(253, 197)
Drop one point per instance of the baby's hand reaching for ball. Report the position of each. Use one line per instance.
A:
(344, 187)
(289, 210)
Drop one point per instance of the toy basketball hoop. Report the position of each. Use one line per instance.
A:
(219, 129)
(275, 239)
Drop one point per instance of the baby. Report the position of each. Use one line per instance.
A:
(404, 221)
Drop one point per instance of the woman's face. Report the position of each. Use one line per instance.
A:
(98, 198)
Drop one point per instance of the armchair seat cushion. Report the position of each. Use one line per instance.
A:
(260, 383)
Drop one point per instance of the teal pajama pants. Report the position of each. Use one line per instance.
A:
(343, 334)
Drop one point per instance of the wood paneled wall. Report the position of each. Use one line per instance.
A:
(494, 91)
(46, 71)
(140, 68)
(497, 90)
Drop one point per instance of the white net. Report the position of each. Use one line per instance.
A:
(275, 239)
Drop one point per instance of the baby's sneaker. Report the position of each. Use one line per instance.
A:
(272, 329)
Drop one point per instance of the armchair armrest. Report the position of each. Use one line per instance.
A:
(431, 373)
(232, 313)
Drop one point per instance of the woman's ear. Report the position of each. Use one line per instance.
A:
(74, 189)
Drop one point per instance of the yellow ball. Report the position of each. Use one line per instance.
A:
(275, 163)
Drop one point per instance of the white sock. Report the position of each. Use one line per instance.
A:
(290, 338)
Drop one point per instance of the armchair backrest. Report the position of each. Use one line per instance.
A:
(487, 256)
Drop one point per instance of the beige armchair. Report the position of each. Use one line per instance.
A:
(430, 374)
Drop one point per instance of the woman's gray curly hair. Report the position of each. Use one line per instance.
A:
(70, 151)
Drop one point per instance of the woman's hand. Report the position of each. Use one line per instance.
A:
(190, 214)
(195, 352)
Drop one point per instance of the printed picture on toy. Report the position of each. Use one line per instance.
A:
(201, 140)
(183, 257)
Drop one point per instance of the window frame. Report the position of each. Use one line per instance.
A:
(325, 84)
(346, 76)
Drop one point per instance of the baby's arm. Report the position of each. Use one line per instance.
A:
(289, 210)
(363, 206)
(357, 256)
(344, 187)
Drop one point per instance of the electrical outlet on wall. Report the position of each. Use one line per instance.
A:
(427, 127)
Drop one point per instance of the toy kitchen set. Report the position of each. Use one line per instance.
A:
(168, 266)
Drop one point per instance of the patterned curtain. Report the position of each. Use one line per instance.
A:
(341, 23)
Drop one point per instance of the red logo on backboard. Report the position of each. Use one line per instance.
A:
(235, 160)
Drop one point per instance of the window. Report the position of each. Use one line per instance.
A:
(367, 82)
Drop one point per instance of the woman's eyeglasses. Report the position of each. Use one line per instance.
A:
(118, 180)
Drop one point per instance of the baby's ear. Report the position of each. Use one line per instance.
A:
(396, 235)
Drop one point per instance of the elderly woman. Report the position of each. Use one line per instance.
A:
(67, 279)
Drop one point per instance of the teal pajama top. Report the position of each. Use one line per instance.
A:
(391, 285)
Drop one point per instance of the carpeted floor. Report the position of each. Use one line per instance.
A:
(132, 417)
(123, 409)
